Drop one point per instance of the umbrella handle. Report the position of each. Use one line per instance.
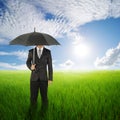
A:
(33, 62)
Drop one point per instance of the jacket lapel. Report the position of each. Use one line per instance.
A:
(43, 52)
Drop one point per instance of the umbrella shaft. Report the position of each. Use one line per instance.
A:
(33, 62)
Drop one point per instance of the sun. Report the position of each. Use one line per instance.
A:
(81, 50)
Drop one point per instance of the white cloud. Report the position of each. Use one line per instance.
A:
(20, 17)
(67, 65)
(111, 58)
(3, 41)
(81, 11)
(115, 11)
(75, 37)
(13, 66)
(22, 55)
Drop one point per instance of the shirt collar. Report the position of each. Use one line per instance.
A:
(40, 48)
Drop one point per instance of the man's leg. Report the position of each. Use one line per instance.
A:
(34, 86)
(43, 92)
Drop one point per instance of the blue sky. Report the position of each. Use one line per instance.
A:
(87, 30)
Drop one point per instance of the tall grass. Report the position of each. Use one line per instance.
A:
(72, 96)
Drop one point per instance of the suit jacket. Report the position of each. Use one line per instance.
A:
(44, 70)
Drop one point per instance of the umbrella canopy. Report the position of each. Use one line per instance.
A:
(34, 38)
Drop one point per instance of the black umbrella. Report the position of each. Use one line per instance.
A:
(34, 38)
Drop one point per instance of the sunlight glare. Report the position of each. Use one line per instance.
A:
(81, 50)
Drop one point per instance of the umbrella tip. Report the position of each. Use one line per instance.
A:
(34, 29)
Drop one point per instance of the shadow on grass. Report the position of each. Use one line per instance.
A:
(35, 113)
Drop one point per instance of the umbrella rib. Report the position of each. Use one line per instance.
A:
(34, 38)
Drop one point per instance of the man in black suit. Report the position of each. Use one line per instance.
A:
(41, 73)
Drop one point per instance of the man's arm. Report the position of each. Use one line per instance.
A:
(50, 68)
(29, 60)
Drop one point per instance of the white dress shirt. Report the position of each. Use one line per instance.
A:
(41, 50)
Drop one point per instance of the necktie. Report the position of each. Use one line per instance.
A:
(39, 53)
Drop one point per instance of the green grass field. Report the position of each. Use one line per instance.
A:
(72, 96)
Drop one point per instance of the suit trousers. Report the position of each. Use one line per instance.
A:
(35, 86)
